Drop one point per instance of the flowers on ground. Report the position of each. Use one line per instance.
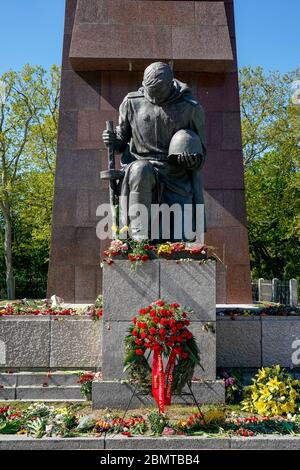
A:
(274, 392)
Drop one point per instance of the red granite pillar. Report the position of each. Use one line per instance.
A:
(111, 43)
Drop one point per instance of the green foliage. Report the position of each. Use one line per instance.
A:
(271, 147)
(157, 422)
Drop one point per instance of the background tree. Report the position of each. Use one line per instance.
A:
(271, 147)
(28, 126)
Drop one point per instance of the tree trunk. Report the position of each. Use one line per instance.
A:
(10, 283)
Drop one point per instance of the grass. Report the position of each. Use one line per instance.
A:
(177, 412)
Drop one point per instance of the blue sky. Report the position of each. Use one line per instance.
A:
(268, 33)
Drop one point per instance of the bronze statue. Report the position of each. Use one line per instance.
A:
(162, 140)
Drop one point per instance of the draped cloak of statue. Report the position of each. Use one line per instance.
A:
(148, 128)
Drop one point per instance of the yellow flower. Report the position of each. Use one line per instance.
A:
(124, 229)
(262, 374)
(114, 228)
(164, 248)
(274, 383)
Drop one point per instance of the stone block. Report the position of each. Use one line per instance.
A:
(114, 87)
(80, 90)
(232, 137)
(168, 443)
(7, 380)
(86, 283)
(266, 443)
(113, 351)
(78, 169)
(48, 393)
(27, 341)
(239, 342)
(191, 285)
(173, 13)
(201, 42)
(239, 283)
(280, 341)
(221, 283)
(86, 206)
(75, 343)
(64, 207)
(7, 393)
(26, 379)
(13, 442)
(126, 290)
(61, 280)
(211, 13)
(89, 11)
(117, 395)
(206, 341)
(120, 41)
(222, 170)
(67, 129)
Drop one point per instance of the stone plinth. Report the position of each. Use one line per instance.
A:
(189, 283)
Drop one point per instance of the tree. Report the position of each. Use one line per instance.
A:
(271, 145)
(28, 123)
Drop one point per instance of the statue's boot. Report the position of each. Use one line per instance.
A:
(139, 214)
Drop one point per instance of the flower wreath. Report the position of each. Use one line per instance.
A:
(162, 329)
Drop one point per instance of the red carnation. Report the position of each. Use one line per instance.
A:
(145, 258)
(185, 355)
(172, 323)
(153, 330)
(144, 325)
(151, 338)
(187, 322)
(170, 343)
(133, 320)
(155, 320)
(143, 311)
(174, 305)
(162, 331)
(160, 303)
(139, 341)
(152, 313)
(180, 325)
(189, 335)
(163, 312)
(134, 333)
(143, 334)
(184, 315)
(164, 322)
(139, 324)
(139, 352)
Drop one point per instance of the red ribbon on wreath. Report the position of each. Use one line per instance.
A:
(162, 381)
(158, 380)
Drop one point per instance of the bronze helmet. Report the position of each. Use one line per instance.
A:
(185, 140)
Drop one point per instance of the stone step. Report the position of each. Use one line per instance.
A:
(32, 393)
(38, 379)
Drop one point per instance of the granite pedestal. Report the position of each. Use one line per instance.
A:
(125, 291)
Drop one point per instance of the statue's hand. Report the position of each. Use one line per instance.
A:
(191, 161)
(109, 138)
